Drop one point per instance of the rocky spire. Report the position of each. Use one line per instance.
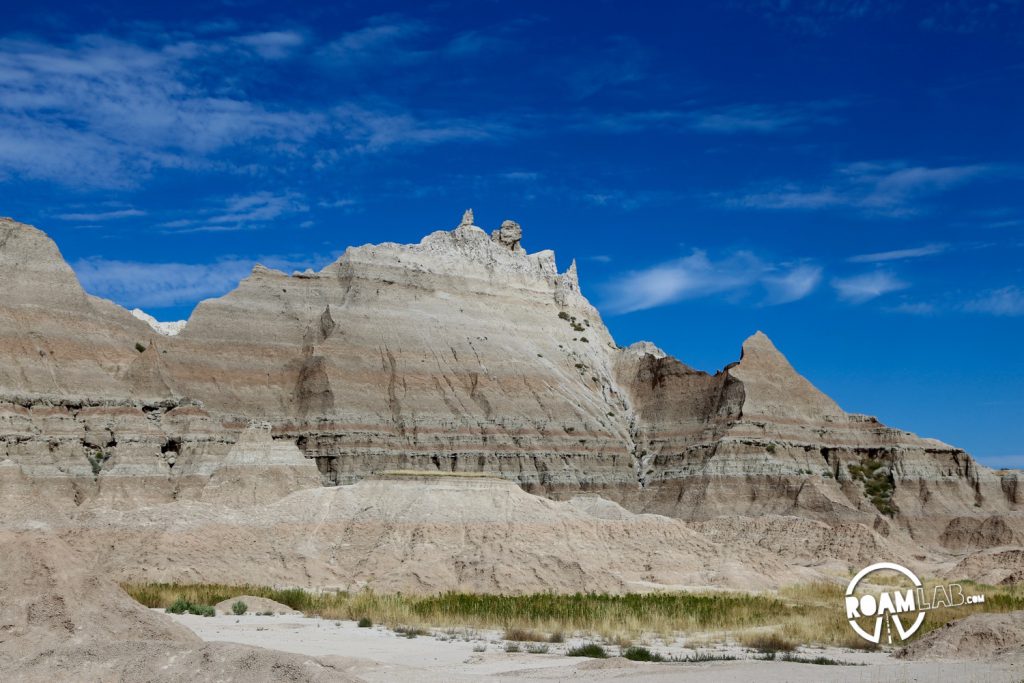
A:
(508, 235)
(467, 219)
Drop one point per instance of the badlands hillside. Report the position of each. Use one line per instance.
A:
(464, 353)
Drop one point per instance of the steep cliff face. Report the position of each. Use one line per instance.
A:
(464, 352)
(758, 439)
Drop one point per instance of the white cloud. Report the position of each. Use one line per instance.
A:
(375, 130)
(899, 254)
(156, 285)
(1008, 301)
(382, 42)
(915, 308)
(273, 44)
(892, 188)
(729, 119)
(103, 112)
(791, 286)
(861, 288)
(102, 215)
(697, 276)
(241, 212)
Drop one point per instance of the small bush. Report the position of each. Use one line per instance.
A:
(179, 606)
(409, 631)
(821, 661)
(556, 637)
(365, 622)
(537, 649)
(524, 635)
(563, 315)
(706, 657)
(769, 642)
(592, 650)
(239, 608)
(511, 647)
(479, 648)
(641, 654)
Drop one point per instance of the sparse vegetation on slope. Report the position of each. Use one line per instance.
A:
(878, 482)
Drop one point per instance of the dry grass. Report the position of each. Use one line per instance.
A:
(524, 635)
(767, 642)
(805, 614)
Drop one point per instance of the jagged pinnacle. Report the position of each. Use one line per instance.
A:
(467, 219)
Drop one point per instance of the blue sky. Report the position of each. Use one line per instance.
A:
(846, 176)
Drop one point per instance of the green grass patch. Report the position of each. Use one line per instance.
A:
(592, 650)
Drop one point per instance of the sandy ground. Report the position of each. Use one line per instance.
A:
(378, 654)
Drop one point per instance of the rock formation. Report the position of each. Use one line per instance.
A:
(463, 353)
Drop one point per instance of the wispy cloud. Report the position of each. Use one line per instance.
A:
(791, 286)
(697, 276)
(375, 131)
(899, 254)
(892, 189)
(915, 308)
(1008, 301)
(103, 112)
(241, 212)
(621, 63)
(763, 118)
(157, 285)
(273, 44)
(754, 118)
(861, 288)
(383, 41)
(102, 215)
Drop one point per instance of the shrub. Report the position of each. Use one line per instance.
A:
(179, 606)
(365, 622)
(511, 647)
(592, 650)
(556, 637)
(239, 608)
(409, 631)
(524, 635)
(563, 315)
(140, 347)
(537, 649)
(642, 654)
(769, 642)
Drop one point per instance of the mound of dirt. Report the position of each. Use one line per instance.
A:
(255, 605)
(994, 567)
(424, 535)
(62, 621)
(979, 636)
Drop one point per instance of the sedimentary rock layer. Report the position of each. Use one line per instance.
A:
(464, 352)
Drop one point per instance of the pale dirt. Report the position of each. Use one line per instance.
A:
(254, 605)
(979, 637)
(378, 654)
